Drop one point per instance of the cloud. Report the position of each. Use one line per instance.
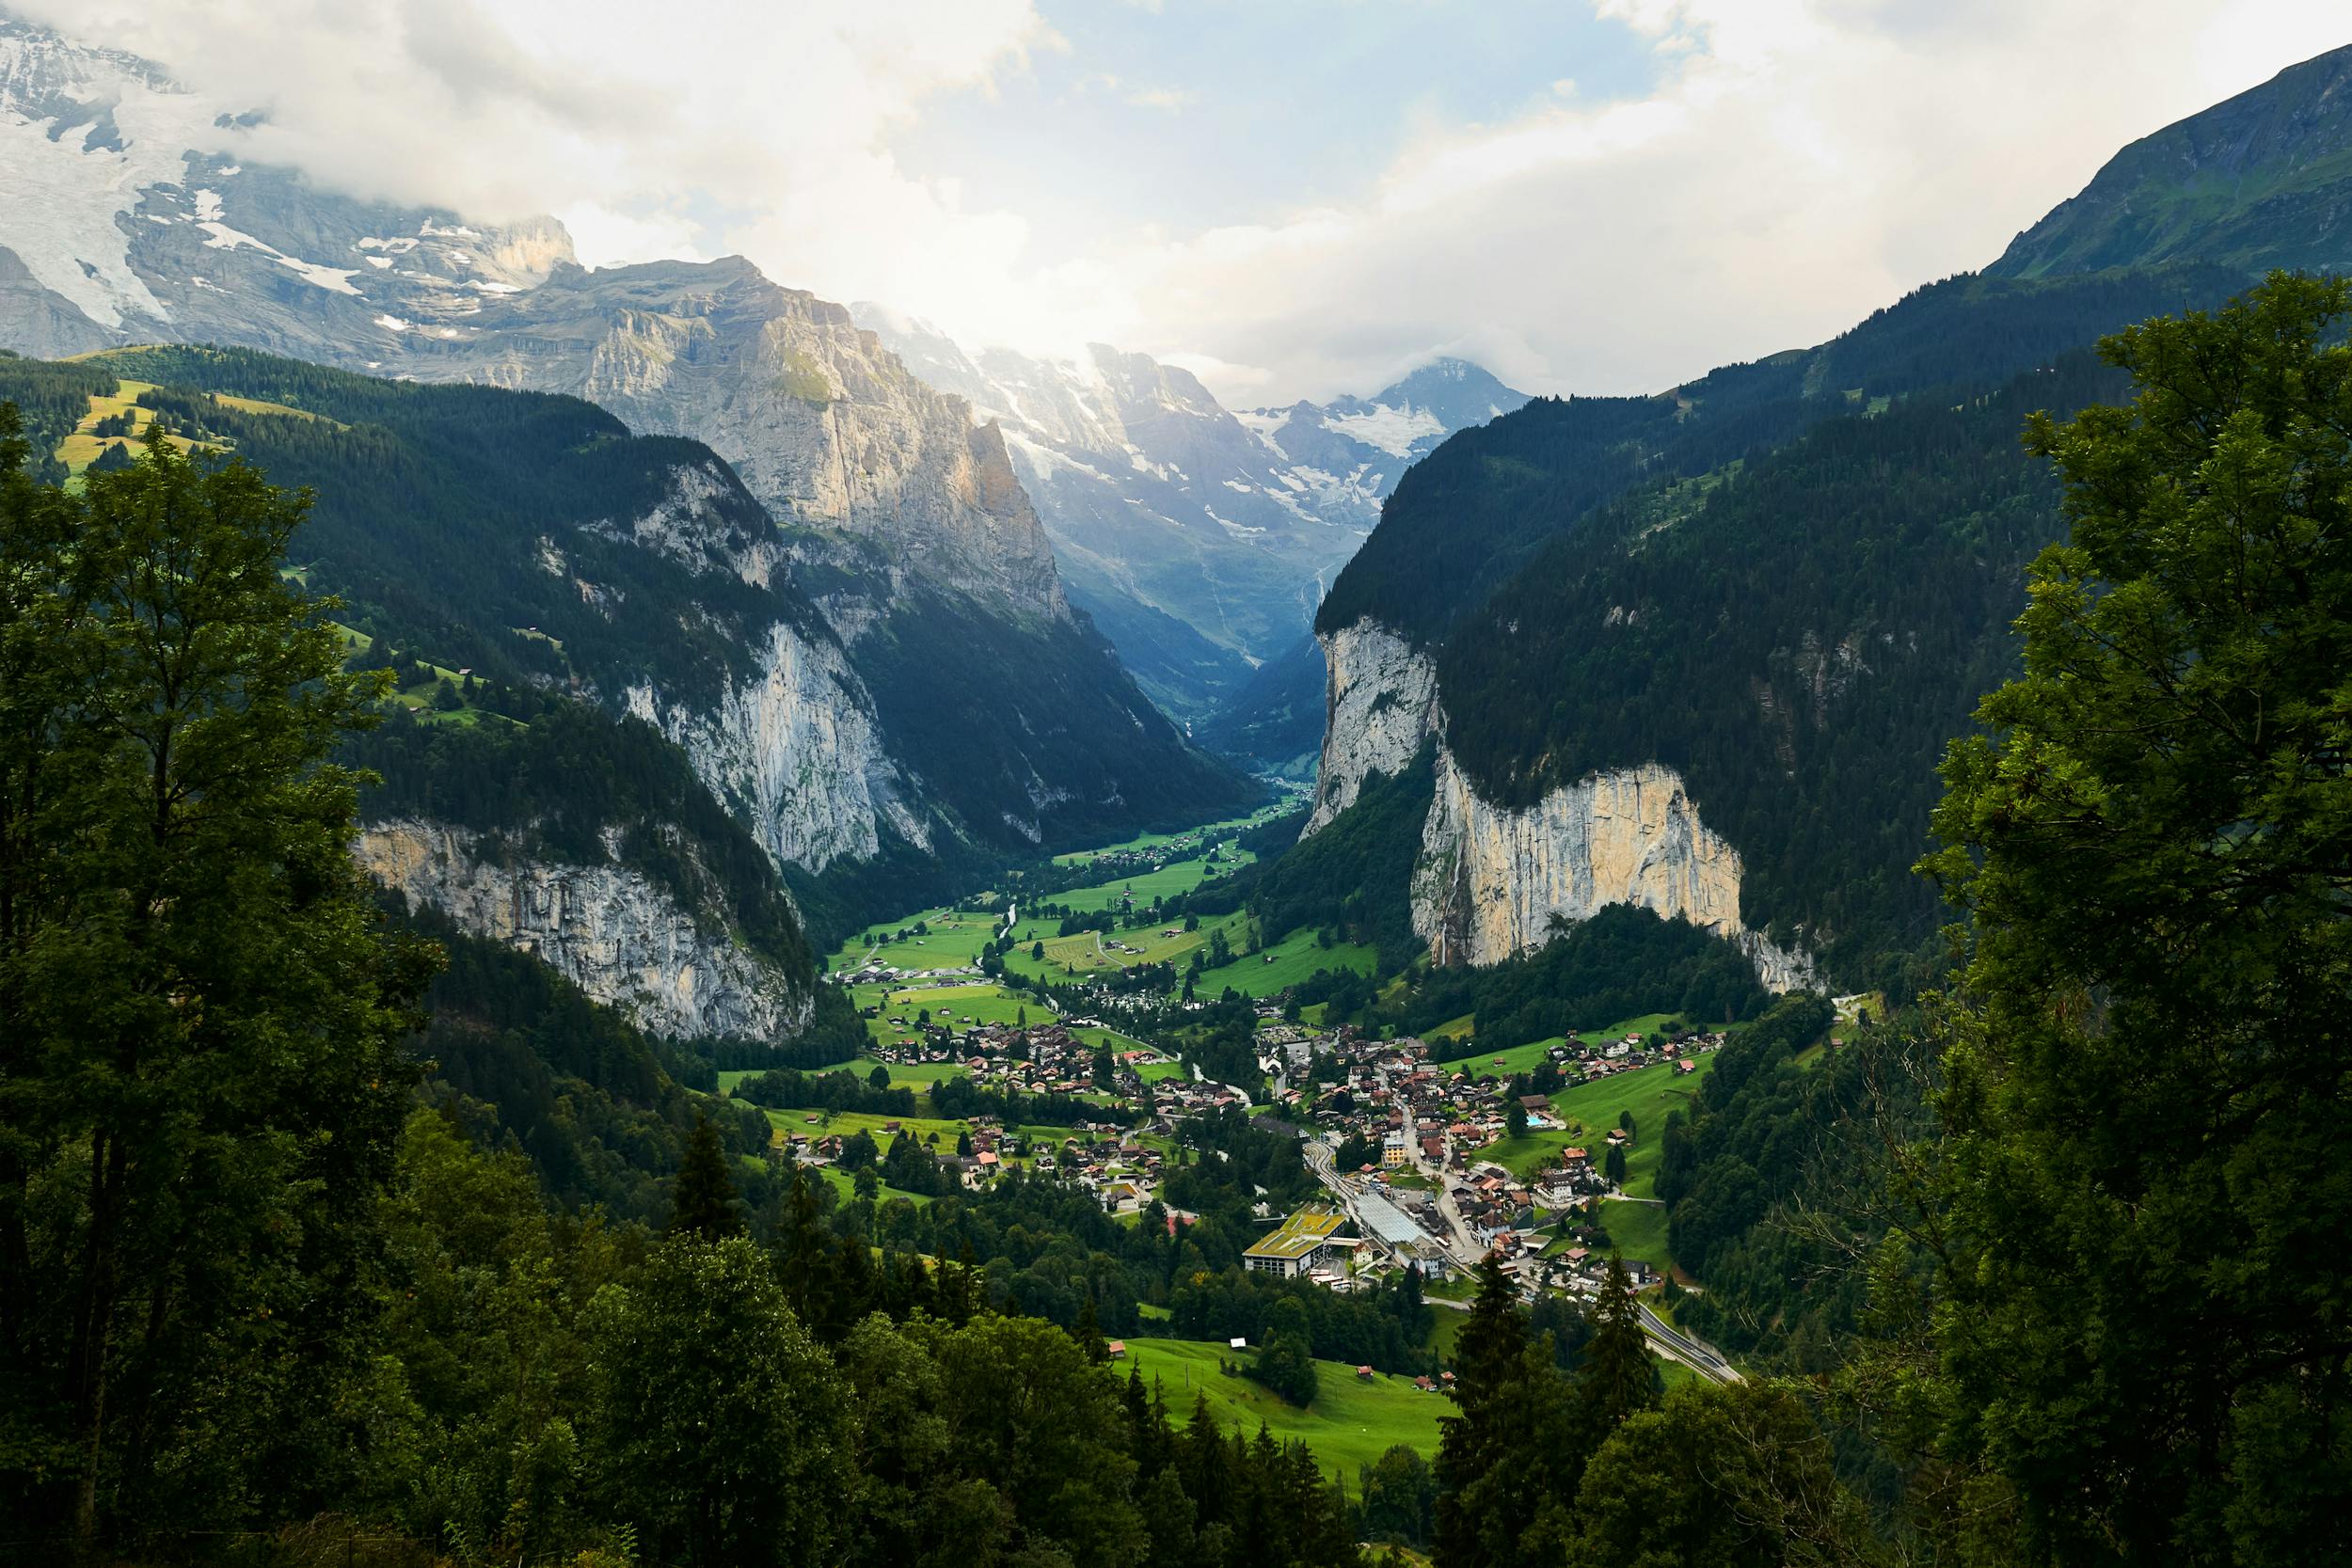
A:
(1796, 164)
(1800, 162)
(764, 118)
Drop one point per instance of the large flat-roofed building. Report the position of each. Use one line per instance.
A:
(1298, 1243)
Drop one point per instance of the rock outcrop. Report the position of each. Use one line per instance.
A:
(1380, 703)
(606, 929)
(795, 754)
(1490, 881)
(824, 424)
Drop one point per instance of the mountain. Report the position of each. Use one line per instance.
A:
(1700, 651)
(1164, 506)
(1355, 448)
(854, 629)
(2260, 181)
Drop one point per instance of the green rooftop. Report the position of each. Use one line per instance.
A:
(1300, 1234)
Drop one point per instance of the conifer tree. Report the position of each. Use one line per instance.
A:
(704, 1203)
(1617, 1378)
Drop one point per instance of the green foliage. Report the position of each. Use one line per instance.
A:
(50, 399)
(200, 1075)
(1400, 1497)
(805, 379)
(1275, 717)
(1467, 517)
(433, 503)
(981, 708)
(1507, 1465)
(1797, 649)
(2258, 182)
(1616, 1378)
(1621, 963)
(716, 1426)
(1735, 1476)
(572, 785)
(703, 1201)
(2141, 1304)
(1347, 875)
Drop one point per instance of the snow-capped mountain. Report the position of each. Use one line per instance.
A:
(128, 214)
(1359, 446)
(1163, 504)
(886, 522)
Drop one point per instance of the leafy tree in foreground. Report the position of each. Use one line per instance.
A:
(1729, 1476)
(2145, 1295)
(200, 1081)
(719, 1428)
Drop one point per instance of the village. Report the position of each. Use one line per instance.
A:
(1426, 1163)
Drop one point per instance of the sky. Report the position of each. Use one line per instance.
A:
(1291, 197)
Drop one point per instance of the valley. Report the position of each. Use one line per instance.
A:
(850, 859)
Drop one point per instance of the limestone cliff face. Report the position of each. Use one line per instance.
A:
(825, 425)
(1380, 703)
(1489, 881)
(606, 929)
(795, 752)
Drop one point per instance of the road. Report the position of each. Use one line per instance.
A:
(1464, 1252)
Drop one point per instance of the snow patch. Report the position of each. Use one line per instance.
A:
(1391, 429)
(333, 279)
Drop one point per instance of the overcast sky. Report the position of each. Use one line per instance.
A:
(1291, 196)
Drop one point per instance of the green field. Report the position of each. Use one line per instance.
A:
(1153, 841)
(955, 936)
(843, 1183)
(1524, 1058)
(1505, 1064)
(978, 1003)
(1350, 1424)
(1591, 1109)
(1637, 1230)
(1076, 956)
(907, 1075)
(1295, 956)
(846, 1122)
(1166, 882)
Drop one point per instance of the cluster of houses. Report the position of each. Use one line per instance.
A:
(1373, 1090)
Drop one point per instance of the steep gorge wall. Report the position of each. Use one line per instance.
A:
(795, 752)
(1488, 881)
(1380, 703)
(605, 929)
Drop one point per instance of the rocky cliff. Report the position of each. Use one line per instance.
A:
(605, 929)
(794, 752)
(1489, 882)
(824, 424)
(1380, 703)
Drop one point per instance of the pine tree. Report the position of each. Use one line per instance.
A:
(1089, 1335)
(703, 1201)
(1617, 1378)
